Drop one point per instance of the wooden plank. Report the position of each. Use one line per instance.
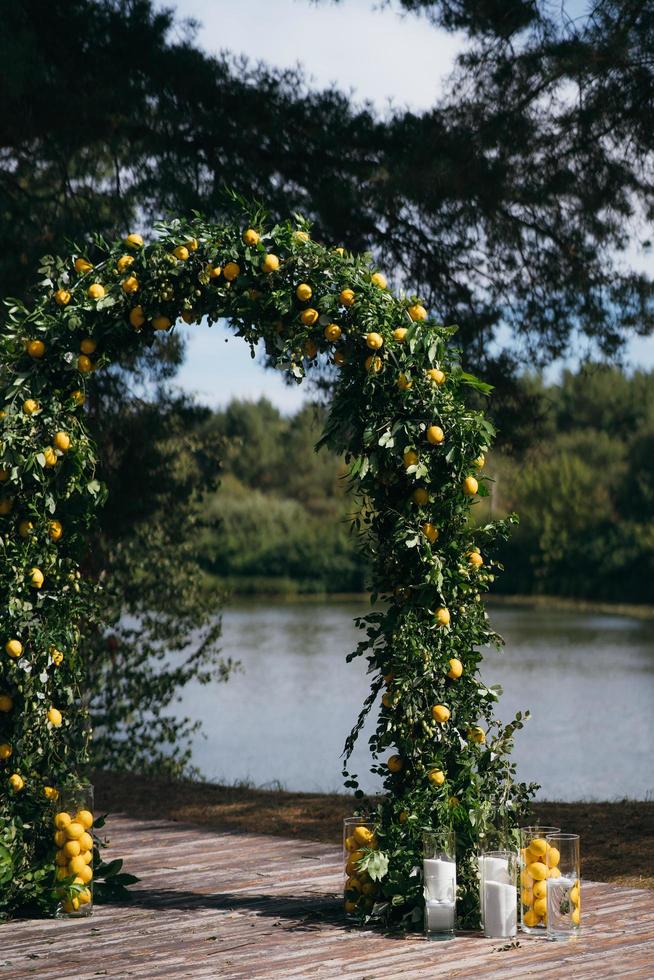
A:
(242, 907)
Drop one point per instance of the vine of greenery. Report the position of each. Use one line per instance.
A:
(415, 451)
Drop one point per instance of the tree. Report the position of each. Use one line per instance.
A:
(506, 205)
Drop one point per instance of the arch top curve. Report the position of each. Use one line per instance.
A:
(416, 449)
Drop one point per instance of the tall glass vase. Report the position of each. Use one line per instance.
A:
(563, 886)
(72, 826)
(533, 878)
(439, 874)
(359, 889)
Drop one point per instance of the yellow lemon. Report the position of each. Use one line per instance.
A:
(61, 820)
(86, 841)
(161, 323)
(6, 703)
(339, 358)
(470, 486)
(36, 578)
(387, 700)
(352, 884)
(130, 285)
(576, 917)
(379, 279)
(88, 345)
(410, 458)
(530, 919)
(538, 847)
(30, 407)
(540, 889)
(421, 496)
(440, 713)
(435, 435)
(310, 348)
(436, 777)
(134, 241)
(57, 656)
(137, 317)
(55, 530)
(352, 862)
(76, 865)
(373, 364)
(430, 531)
(332, 332)
(395, 763)
(442, 616)
(251, 237)
(74, 831)
(403, 382)
(404, 816)
(436, 375)
(55, 717)
(301, 236)
(85, 818)
(270, 263)
(5, 750)
(309, 316)
(50, 456)
(475, 559)
(62, 297)
(477, 734)
(304, 292)
(62, 441)
(36, 349)
(525, 879)
(399, 334)
(374, 340)
(70, 905)
(417, 312)
(537, 870)
(574, 895)
(95, 291)
(84, 897)
(350, 844)
(479, 462)
(231, 271)
(82, 265)
(84, 364)
(540, 907)
(554, 873)
(14, 648)
(364, 836)
(78, 397)
(192, 244)
(527, 896)
(553, 856)
(347, 297)
(124, 262)
(456, 669)
(16, 782)
(25, 528)
(50, 793)
(60, 859)
(88, 857)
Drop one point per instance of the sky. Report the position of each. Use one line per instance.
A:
(378, 55)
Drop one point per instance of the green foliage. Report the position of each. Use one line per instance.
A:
(508, 203)
(584, 490)
(385, 400)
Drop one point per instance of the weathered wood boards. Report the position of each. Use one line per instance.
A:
(240, 907)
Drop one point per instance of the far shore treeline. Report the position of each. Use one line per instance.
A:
(582, 484)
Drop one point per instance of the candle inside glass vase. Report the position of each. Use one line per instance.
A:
(439, 871)
(498, 893)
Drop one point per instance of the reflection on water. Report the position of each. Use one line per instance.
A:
(587, 679)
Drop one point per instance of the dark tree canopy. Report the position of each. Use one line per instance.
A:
(508, 204)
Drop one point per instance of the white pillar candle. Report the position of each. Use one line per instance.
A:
(439, 916)
(440, 879)
(494, 869)
(500, 910)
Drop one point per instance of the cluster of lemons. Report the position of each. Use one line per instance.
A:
(360, 889)
(540, 861)
(74, 857)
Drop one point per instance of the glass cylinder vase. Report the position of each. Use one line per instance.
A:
(498, 897)
(439, 876)
(533, 878)
(359, 889)
(72, 823)
(563, 886)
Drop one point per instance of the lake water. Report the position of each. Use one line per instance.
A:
(587, 679)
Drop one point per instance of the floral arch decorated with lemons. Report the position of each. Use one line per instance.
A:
(400, 415)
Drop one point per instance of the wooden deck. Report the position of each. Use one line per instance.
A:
(239, 907)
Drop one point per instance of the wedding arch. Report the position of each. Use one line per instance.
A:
(400, 413)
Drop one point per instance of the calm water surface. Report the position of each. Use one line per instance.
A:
(587, 679)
